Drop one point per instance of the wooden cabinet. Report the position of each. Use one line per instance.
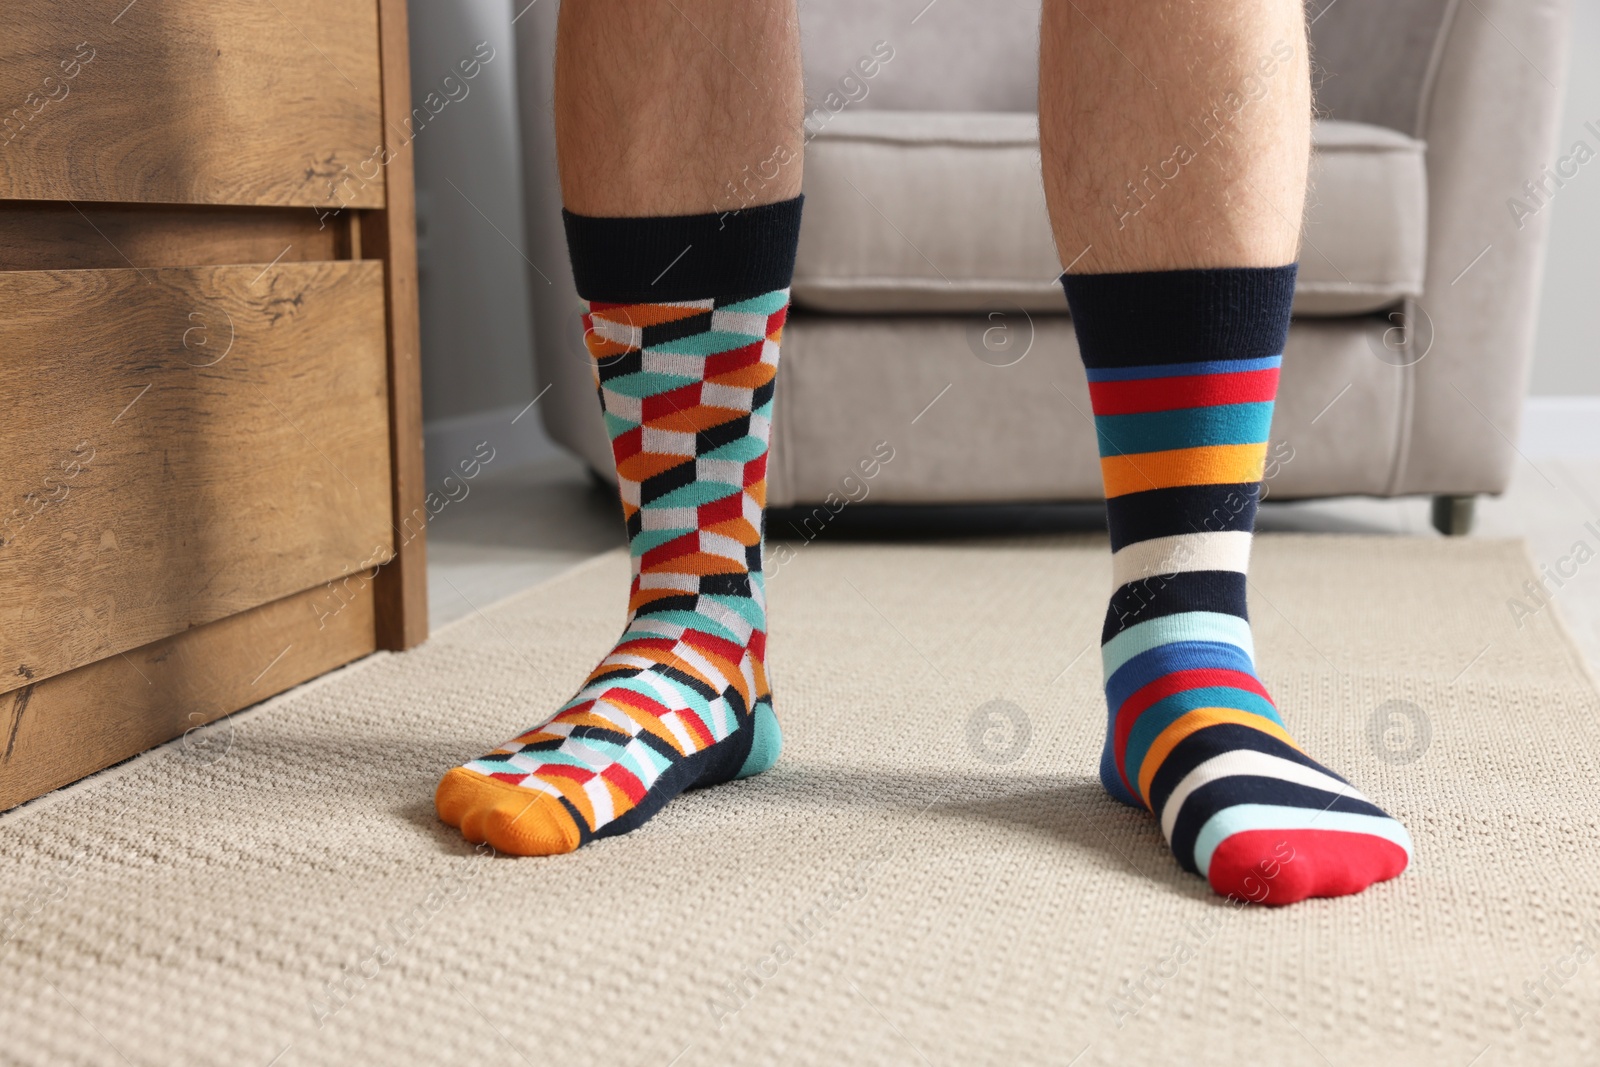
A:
(210, 452)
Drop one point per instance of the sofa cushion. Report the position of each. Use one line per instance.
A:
(918, 211)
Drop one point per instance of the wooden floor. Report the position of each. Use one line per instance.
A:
(519, 526)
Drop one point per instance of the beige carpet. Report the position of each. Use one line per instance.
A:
(927, 877)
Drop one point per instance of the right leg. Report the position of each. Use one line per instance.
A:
(678, 133)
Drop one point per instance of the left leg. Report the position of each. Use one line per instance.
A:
(1175, 138)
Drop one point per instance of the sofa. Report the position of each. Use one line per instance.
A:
(927, 312)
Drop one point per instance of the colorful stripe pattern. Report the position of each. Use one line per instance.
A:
(1182, 400)
(682, 700)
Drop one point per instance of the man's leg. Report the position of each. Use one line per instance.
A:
(1175, 139)
(677, 108)
(678, 131)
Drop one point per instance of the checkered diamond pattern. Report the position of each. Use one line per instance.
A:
(686, 388)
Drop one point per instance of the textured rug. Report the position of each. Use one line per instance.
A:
(931, 875)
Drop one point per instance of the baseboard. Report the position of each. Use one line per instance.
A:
(514, 432)
(1561, 427)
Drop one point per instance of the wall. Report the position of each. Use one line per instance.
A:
(477, 345)
(1569, 313)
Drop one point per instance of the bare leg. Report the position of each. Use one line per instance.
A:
(1205, 108)
(677, 107)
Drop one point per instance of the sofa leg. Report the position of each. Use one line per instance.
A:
(1452, 515)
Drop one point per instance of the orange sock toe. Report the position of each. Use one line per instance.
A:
(510, 818)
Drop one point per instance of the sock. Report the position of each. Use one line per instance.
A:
(1183, 370)
(685, 317)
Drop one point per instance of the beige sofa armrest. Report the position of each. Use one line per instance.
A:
(1490, 118)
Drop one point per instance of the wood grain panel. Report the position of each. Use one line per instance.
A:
(181, 445)
(56, 731)
(392, 236)
(37, 235)
(191, 101)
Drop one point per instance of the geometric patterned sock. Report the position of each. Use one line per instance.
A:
(1183, 370)
(685, 316)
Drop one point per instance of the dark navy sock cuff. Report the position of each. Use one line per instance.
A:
(726, 255)
(1180, 316)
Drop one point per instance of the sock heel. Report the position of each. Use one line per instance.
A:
(767, 742)
(1110, 779)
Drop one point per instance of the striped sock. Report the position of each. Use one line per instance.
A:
(1183, 369)
(685, 318)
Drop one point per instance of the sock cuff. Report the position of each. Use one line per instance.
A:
(1181, 316)
(657, 259)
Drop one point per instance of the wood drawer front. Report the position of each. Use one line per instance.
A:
(58, 730)
(183, 444)
(191, 101)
